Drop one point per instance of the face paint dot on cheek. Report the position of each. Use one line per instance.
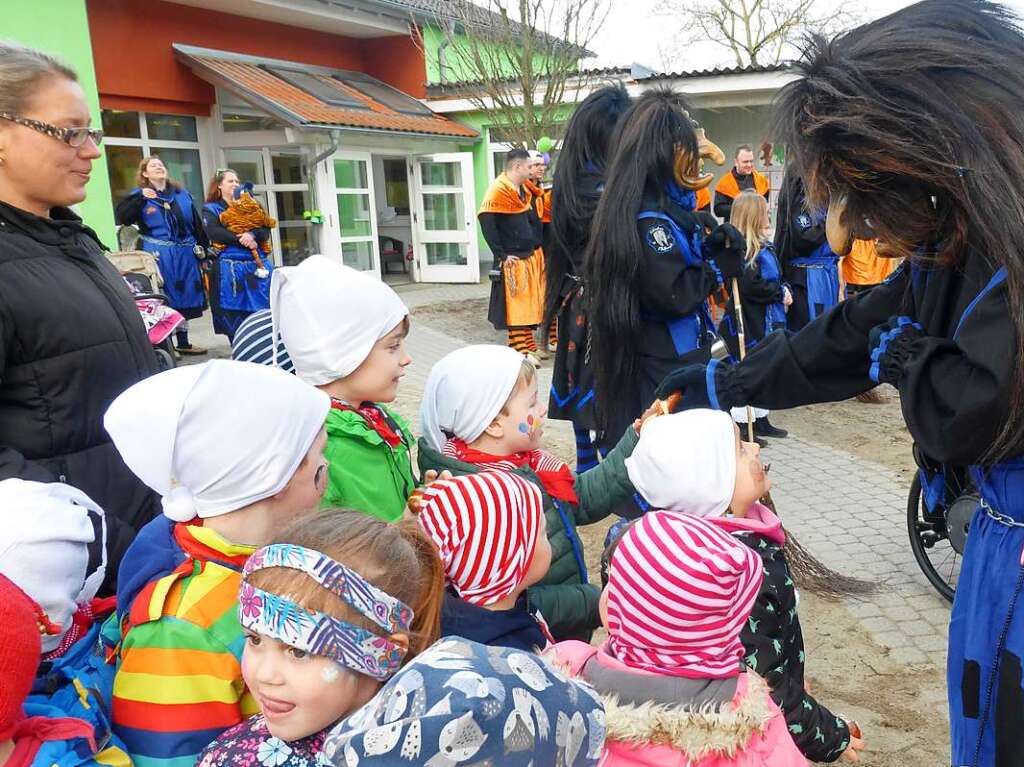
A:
(330, 673)
(524, 428)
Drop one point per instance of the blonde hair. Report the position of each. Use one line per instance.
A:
(750, 215)
(21, 69)
(398, 558)
(526, 375)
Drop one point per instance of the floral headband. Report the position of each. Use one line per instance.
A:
(348, 645)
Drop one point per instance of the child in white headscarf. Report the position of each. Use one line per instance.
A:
(53, 546)
(345, 334)
(236, 452)
(695, 462)
(480, 411)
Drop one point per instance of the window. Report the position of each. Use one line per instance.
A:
(396, 186)
(318, 87)
(130, 136)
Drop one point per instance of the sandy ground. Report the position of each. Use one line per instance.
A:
(901, 709)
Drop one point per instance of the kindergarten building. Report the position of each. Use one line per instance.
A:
(341, 115)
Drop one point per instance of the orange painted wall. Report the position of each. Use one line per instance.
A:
(136, 67)
(398, 61)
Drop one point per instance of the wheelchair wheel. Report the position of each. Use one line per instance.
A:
(165, 356)
(929, 540)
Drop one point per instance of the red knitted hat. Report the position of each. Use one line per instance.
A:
(20, 646)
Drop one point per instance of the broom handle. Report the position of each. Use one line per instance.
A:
(738, 310)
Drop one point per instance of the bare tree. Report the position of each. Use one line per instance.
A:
(519, 60)
(754, 31)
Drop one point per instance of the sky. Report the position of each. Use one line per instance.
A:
(634, 33)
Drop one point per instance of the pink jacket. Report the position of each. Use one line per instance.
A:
(751, 732)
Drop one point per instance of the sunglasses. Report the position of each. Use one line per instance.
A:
(73, 137)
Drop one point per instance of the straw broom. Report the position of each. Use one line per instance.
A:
(807, 570)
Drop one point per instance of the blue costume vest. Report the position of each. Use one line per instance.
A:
(768, 265)
(239, 288)
(692, 332)
(172, 240)
(986, 628)
(822, 268)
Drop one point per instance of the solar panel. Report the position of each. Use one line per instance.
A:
(317, 88)
(385, 94)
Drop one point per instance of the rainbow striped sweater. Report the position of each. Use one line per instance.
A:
(179, 679)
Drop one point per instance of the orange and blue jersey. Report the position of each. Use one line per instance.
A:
(179, 679)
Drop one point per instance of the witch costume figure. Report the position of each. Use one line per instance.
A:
(810, 266)
(649, 268)
(910, 129)
(579, 181)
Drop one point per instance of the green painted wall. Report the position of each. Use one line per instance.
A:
(61, 27)
(434, 38)
(481, 122)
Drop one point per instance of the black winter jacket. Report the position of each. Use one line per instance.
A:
(71, 340)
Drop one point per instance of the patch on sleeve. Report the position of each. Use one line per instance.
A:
(803, 221)
(660, 239)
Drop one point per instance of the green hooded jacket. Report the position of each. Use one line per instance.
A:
(364, 472)
(564, 597)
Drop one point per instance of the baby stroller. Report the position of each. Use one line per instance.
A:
(141, 273)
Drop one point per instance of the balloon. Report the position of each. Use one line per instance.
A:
(545, 144)
(547, 158)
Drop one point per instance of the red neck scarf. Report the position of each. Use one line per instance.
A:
(30, 734)
(557, 478)
(81, 622)
(373, 416)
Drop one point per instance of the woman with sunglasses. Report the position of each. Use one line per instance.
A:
(71, 338)
(172, 230)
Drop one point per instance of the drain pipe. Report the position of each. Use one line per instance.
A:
(314, 216)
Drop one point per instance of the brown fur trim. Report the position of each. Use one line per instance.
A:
(698, 734)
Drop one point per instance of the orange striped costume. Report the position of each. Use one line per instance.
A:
(179, 682)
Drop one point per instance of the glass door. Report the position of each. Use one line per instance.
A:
(353, 191)
(444, 220)
(278, 175)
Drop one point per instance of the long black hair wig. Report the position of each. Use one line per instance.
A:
(917, 120)
(656, 126)
(579, 175)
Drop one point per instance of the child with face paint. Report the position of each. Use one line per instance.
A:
(331, 610)
(481, 412)
(695, 462)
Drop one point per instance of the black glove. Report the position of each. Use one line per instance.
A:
(698, 385)
(707, 221)
(889, 347)
(727, 248)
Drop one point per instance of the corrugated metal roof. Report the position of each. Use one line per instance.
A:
(247, 77)
(717, 71)
(635, 73)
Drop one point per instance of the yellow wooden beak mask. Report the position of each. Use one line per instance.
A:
(689, 170)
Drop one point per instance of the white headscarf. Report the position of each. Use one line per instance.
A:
(330, 316)
(216, 437)
(466, 390)
(45, 534)
(686, 462)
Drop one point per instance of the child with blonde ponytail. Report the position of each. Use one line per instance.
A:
(764, 297)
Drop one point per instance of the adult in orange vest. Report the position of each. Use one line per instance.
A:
(704, 200)
(742, 176)
(863, 268)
